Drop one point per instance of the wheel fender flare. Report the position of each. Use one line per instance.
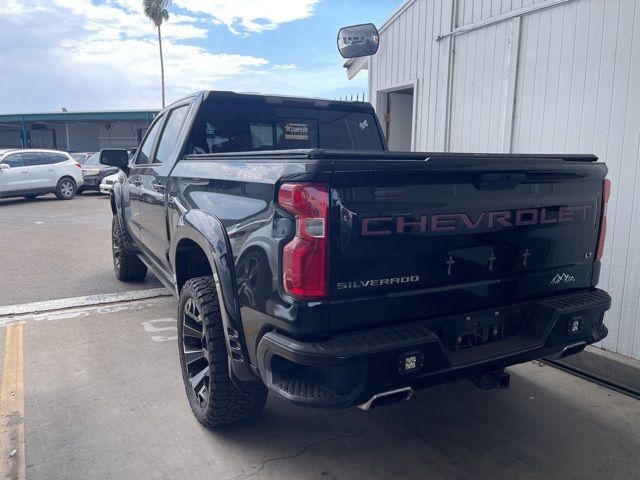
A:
(115, 198)
(208, 232)
(121, 206)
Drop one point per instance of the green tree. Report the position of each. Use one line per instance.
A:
(156, 11)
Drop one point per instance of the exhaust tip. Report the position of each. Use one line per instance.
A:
(573, 349)
(386, 398)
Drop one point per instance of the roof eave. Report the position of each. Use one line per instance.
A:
(355, 65)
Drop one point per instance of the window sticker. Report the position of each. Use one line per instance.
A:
(296, 131)
(364, 124)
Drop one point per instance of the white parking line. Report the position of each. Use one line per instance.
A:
(86, 311)
(161, 325)
(89, 300)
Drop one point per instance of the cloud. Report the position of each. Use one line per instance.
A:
(302, 82)
(86, 55)
(135, 76)
(289, 66)
(118, 18)
(103, 56)
(249, 16)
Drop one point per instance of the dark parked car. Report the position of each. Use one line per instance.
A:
(93, 172)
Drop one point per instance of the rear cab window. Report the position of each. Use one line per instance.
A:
(254, 124)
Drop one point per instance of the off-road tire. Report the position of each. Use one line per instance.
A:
(126, 264)
(222, 402)
(66, 188)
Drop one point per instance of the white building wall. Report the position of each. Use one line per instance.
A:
(537, 76)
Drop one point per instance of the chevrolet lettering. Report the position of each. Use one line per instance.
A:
(459, 222)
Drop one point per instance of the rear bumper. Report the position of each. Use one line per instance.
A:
(348, 369)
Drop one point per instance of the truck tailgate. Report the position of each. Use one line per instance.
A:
(425, 236)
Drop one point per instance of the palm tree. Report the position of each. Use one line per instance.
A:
(156, 11)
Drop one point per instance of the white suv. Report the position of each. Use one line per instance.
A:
(30, 172)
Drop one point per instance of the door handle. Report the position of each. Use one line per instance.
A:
(24, 171)
(159, 187)
(50, 170)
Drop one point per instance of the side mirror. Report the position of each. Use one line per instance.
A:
(4, 166)
(114, 157)
(358, 40)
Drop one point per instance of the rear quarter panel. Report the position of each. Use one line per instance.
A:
(69, 168)
(241, 193)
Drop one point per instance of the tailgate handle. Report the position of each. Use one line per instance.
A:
(499, 181)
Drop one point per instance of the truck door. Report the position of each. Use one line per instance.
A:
(143, 159)
(153, 184)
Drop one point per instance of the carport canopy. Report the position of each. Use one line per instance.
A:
(75, 131)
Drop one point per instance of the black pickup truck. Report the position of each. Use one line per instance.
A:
(310, 261)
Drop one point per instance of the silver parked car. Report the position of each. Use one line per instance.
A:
(32, 172)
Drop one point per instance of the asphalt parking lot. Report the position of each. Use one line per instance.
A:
(95, 393)
(52, 249)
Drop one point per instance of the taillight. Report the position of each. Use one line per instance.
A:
(305, 258)
(78, 165)
(606, 193)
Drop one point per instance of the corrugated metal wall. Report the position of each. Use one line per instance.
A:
(539, 76)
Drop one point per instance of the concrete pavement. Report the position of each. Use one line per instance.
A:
(103, 396)
(104, 399)
(52, 249)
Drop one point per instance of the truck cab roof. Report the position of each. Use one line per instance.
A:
(212, 95)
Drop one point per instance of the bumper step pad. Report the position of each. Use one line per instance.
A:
(308, 389)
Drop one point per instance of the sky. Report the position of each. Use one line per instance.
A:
(103, 54)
